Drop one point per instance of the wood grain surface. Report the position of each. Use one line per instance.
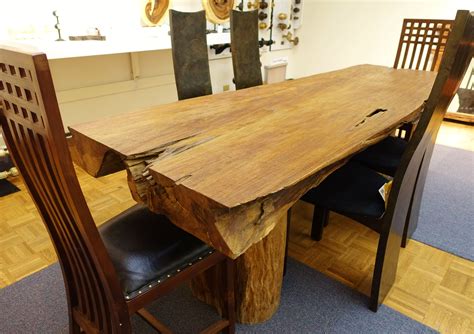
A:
(220, 166)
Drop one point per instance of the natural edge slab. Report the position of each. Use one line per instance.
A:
(231, 231)
(220, 166)
(93, 157)
(259, 273)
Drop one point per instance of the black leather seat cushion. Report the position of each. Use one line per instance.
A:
(145, 247)
(384, 156)
(352, 189)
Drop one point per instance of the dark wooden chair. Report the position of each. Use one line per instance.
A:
(465, 111)
(353, 189)
(421, 47)
(466, 96)
(190, 55)
(245, 49)
(112, 272)
(422, 44)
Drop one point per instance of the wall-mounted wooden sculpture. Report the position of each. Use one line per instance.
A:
(154, 11)
(218, 11)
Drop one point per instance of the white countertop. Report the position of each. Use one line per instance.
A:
(74, 49)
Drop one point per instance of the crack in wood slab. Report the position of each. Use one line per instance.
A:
(138, 164)
(375, 112)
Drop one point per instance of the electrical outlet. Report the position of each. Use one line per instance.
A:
(225, 88)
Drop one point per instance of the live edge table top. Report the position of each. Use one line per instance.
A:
(221, 165)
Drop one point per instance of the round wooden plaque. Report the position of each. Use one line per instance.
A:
(218, 11)
(154, 11)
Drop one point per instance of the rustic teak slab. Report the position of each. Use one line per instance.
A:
(226, 167)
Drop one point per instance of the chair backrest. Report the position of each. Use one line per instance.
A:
(458, 54)
(245, 49)
(35, 137)
(466, 98)
(190, 55)
(470, 81)
(422, 44)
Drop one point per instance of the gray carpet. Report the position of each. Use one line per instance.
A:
(6, 188)
(311, 303)
(447, 210)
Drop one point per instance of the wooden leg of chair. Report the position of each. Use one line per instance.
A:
(153, 322)
(411, 221)
(408, 131)
(288, 221)
(230, 296)
(386, 263)
(326, 222)
(320, 217)
(217, 327)
(405, 131)
(405, 236)
(74, 327)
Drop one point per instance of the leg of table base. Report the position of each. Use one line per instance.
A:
(258, 278)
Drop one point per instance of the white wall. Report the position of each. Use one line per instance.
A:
(337, 34)
(90, 88)
(33, 19)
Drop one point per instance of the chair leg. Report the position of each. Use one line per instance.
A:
(386, 263)
(153, 322)
(411, 221)
(405, 236)
(230, 296)
(405, 131)
(74, 327)
(326, 223)
(320, 218)
(288, 221)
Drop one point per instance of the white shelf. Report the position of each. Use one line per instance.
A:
(74, 49)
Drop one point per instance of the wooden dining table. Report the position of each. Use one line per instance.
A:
(227, 167)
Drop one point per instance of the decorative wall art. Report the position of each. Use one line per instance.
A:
(218, 11)
(154, 11)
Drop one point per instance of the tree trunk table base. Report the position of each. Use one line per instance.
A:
(258, 278)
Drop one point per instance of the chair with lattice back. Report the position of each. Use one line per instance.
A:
(421, 47)
(422, 44)
(466, 96)
(353, 190)
(112, 272)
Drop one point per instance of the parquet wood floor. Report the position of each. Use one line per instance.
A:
(432, 287)
(456, 135)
